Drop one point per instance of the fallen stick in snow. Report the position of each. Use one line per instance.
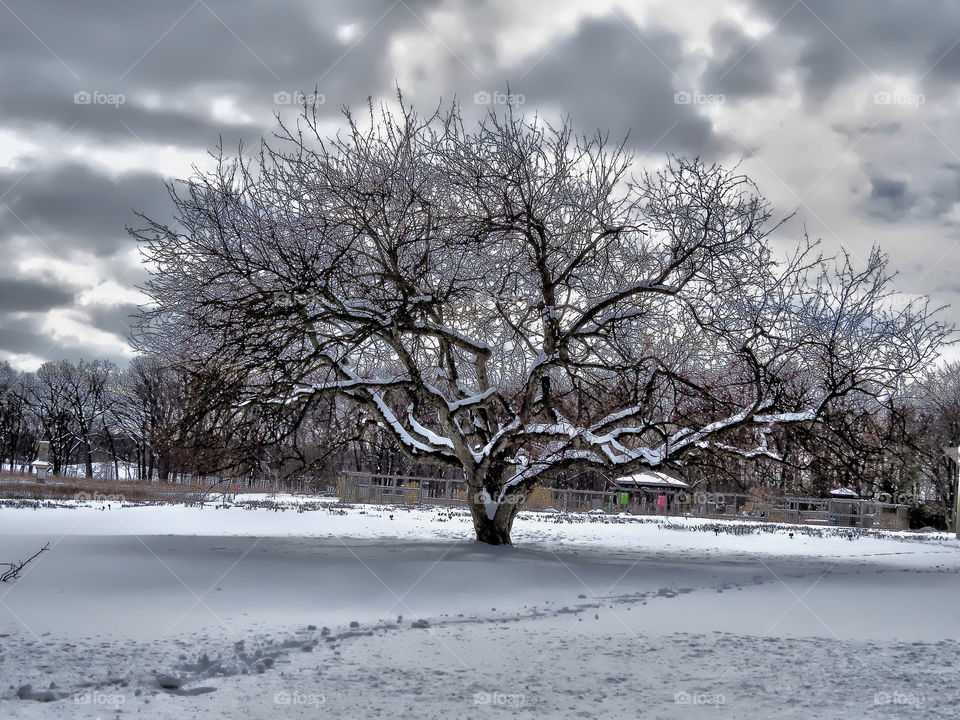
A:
(14, 569)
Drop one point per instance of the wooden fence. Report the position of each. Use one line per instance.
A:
(374, 489)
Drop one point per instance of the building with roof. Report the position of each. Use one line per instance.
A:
(650, 491)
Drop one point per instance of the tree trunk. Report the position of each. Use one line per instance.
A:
(492, 532)
(113, 453)
(495, 530)
(88, 456)
(163, 468)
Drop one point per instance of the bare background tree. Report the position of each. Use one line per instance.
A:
(17, 436)
(47, 394)
(934, 424)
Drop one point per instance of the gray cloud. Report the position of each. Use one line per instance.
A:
(172, 60)
(21, 331)
(20, 334)
(930, 197)
(20, 337)
(116, 320)
(182, 55)
(614, 76)
(890, 198)
(840, 40)
(72, 207)
(22, 295)
(743, 67)
(853, 133)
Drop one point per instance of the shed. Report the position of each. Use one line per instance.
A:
(845, 508)
(651, 491)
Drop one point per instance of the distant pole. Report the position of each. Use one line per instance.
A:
(954, 454)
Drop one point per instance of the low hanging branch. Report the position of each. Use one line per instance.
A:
(14, 569)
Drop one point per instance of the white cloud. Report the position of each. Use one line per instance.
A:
(110, 293)
(70, 328)
(347, 33)
(22, 361)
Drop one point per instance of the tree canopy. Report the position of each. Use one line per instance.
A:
(514, 299)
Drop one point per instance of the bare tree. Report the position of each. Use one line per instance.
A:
(511, 301)
(147, 407)
(85, 388)
(46, 394)
(70, 402)
(17, 432)
(936, 425)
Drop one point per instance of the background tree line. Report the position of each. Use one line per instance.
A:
(158, 422)
(154, 421)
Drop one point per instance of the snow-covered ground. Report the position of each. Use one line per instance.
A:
(301, 608)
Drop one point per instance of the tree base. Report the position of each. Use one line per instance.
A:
(495, 531)
(490, 534)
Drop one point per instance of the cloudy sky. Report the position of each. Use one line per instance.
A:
(843, 111)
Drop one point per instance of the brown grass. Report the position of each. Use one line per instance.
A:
(16, 486)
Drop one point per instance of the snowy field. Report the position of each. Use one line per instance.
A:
(301, 608)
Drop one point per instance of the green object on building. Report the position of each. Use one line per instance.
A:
(624, 498)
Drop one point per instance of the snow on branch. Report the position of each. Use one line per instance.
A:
(399, 431)
(429, 435)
